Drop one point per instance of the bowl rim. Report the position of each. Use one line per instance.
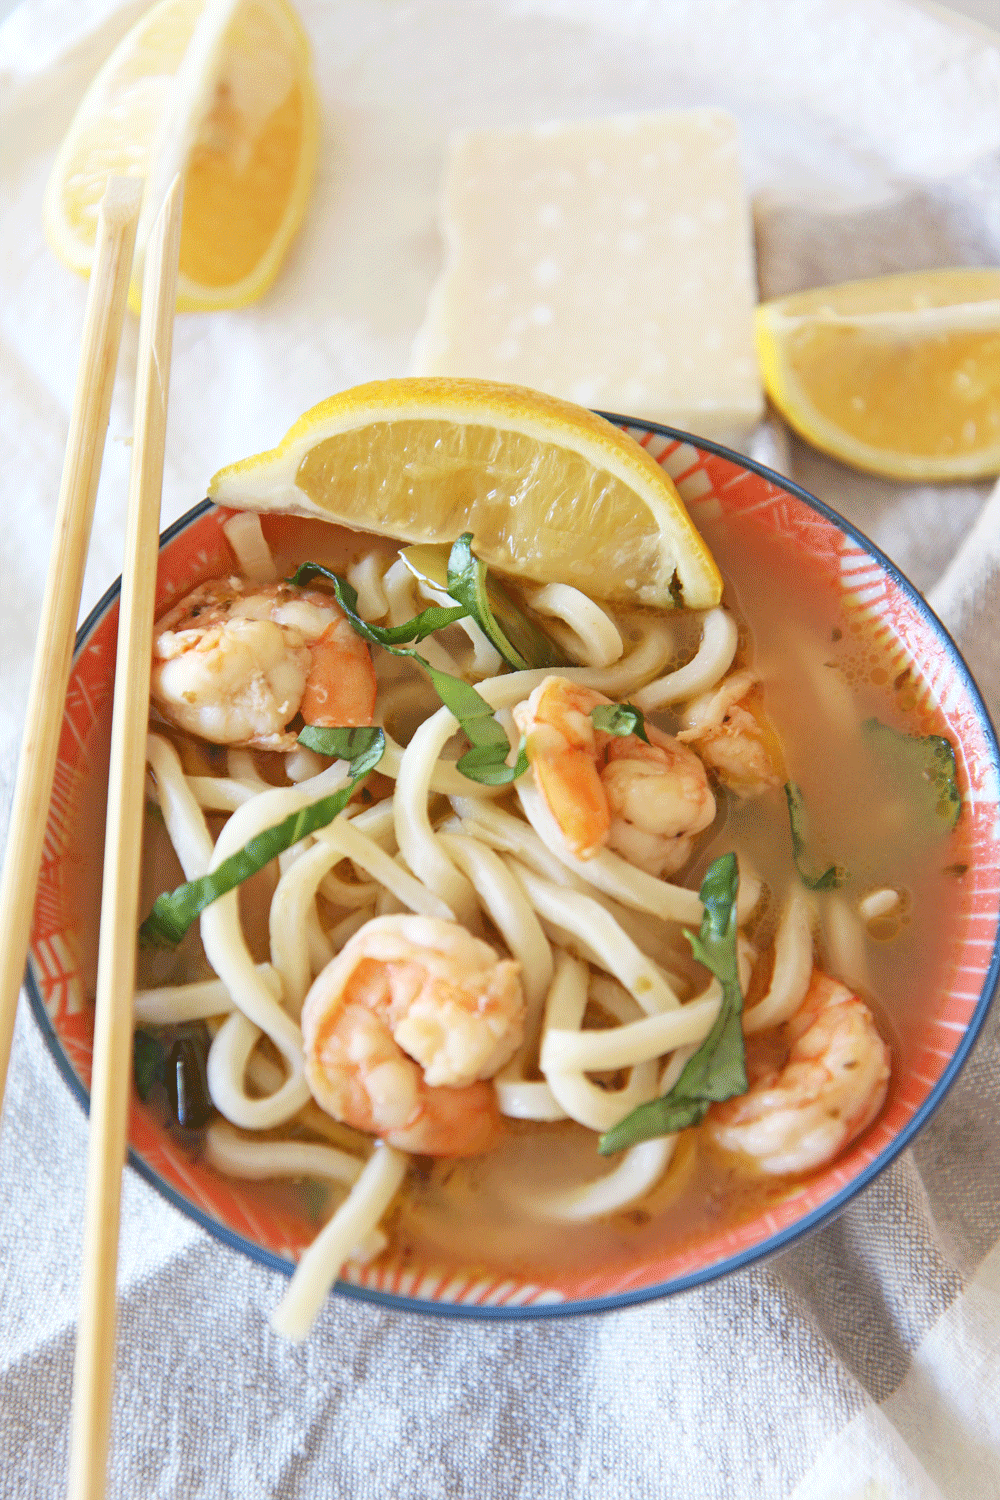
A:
(781, 1240)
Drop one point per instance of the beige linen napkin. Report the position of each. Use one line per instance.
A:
(863, 1363)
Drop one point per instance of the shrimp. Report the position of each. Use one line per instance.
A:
(831, 1088)
(404, 1029)
(647, 802)
(234, 662)
(728, 729)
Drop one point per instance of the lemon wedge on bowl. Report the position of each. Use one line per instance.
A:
(899, 375)
(221, 91)
(549, 491)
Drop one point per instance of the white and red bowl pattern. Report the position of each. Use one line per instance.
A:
(713, 483)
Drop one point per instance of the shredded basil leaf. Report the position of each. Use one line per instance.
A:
(924, 768)
(467, 584)
(456, 570)
(175, 911)
(834, 875)
(340, 743)
(389, 636)
(473, 713)
(621, 719)
(717, 1071)
(149, 1061)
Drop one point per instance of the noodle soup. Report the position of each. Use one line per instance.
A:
(506, 1223)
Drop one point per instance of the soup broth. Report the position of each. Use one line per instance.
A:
(825, 671)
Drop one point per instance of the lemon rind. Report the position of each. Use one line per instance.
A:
(545, 419)
(168, 152)
(790, 397)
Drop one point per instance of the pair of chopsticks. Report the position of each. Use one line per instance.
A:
(110, 1084)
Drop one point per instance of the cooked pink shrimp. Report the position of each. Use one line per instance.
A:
(648, 802)
(403, 1030)
(832, 1087)
(234, 662)
(728, 728)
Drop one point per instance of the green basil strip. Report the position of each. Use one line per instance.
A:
(924, 769)
(621, 719)
(717, 1071)
(456, 571)
(340, 743)
(831, 878)
(175, 911)
(422, 625)
(467, 584)
(149, 1059)
(475, 716)
(486, 762)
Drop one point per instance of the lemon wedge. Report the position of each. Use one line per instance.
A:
(549, 491)
(899, 375)
(221, 91)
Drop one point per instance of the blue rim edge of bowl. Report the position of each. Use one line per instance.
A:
(614, 1302)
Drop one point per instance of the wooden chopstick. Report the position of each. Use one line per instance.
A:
(93, 1374)
(88, 425)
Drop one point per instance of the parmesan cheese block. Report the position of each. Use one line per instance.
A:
(609, 262)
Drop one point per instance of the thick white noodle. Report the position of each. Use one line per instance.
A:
(714, 657)
(292, 904)
(846, 942)
(348, 926)
(486, 659)
(510, 835)
(233, 1154)
(504, 901)
(597, 1108)
(347, 894)
(294, 852)
(183, 817)
(879, 903)
(444, 778)
(617, 681)
(242, 768)
(320, 1264)
(793, 966)
(634, 1042)
(345, 837)
(377, 822)
(302, 763)
(523, 1098)
(398, 584)
(595, 928)
(169, 1005)
(607, 870)
(319, 945)
(545, 852)
(417, 842)
(227, 952)
(365, 577)
(596, 635)
(638, 1172)
(244, 534)
(219, 793)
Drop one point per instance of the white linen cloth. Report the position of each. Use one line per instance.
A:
(862, 1364)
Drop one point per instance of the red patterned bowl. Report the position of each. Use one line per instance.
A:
(719, 487)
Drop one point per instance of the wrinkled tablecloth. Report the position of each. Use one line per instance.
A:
(862, 1364)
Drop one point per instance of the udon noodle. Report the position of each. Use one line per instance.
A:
(546, 975)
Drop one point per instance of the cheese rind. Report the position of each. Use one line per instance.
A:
(609, 262)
